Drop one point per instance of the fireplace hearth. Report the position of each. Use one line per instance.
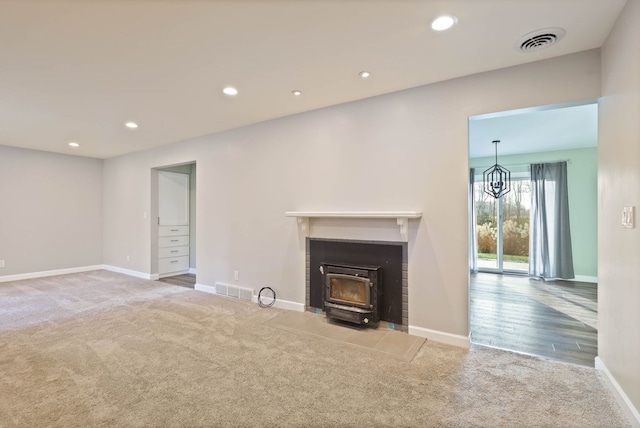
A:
(352, 293)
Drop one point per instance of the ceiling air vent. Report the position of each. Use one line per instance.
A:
(540, 39)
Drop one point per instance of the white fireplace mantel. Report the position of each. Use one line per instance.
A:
(402, 218)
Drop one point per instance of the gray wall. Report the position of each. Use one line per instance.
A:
(50, 212)
(619, 186)
(582, 176)
(327, 160)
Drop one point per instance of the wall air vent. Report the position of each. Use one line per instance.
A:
(540, 39)
(236, 292)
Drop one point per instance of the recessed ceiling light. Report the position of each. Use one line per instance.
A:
(230, 90)
(443, 22)
(364, 74)
(131, 125)
(74, 144)
(297, 93)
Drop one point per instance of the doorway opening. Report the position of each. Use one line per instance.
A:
(173, 234)
(508, 308)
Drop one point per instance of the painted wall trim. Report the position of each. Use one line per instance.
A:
(441, 336)
(192, 271)
(402, 218)
(281, 304)
(32, 275)
(584, 278)
(205, 288)
(619, 394)
(284, 304)
(127, 272)
(535, 109)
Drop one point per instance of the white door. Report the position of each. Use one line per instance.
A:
(173, 195)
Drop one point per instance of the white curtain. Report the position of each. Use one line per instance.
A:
(550, 254)
(473, 237)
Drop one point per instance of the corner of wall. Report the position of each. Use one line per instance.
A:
(442, 337)
(619, 394)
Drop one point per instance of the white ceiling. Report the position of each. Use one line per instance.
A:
(77, 70)
(534, 131)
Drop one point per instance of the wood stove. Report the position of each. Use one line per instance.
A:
(352, 293)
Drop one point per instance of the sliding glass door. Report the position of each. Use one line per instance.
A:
(502, 226)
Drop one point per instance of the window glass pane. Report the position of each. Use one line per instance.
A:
(486, 227)
(515, 226)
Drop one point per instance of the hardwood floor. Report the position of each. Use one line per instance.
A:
(553, 319)
(186, 280)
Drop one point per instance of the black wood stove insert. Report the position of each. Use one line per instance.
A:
(389, 256)
(352, 293)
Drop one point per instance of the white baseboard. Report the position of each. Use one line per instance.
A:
(440, 336)
(584, 278)
(127, 271)
(143, 275)
(46, 273)
(284, 304)
(192, 271)
(205, 288)
(619, 393)
(281, 304)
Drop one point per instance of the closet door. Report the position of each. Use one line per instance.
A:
(173, 188)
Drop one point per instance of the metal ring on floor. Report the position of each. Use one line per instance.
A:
(273, 298)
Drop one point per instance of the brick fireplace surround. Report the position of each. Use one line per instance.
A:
(391, 256)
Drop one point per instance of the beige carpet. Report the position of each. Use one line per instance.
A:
(394, 344)
(103, 349)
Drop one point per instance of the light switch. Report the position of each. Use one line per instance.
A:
(629, 217)
(1, 263)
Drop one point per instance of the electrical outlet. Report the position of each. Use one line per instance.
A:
(236, 275)
(1, 263)
(128, 258)
(628, 217)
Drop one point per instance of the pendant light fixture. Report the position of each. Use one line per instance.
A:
(497, 179)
